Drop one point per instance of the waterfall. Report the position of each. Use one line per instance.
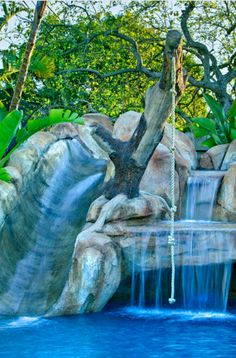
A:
(203, 272)
(40, 275)
(202, 254)
(202, 189)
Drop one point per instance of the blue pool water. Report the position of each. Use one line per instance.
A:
(121, 333)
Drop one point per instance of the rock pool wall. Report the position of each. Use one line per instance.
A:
(100, 259)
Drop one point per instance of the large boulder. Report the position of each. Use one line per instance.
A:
(230, 156)
(94, 275)
(125, 125)
(156, 179)
(98, 118)
(226, 201)
(213, 158)
(122, 208)
(185, 153)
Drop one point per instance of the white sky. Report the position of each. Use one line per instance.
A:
(4, 44)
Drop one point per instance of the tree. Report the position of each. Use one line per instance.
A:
(131, 158)
(38, 14)
(106, 60)
(213, 78)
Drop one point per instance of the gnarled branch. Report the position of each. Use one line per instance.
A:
(131, 158)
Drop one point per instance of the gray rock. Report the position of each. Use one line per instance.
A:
(230, 156)
(122, 208)
(185, 150)
(213, 158)
(125, 125)
(156, 179)
(226, 201)
(94, 276)
(98, 118)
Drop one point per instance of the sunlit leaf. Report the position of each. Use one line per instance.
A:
(4, 175)
(8, 129)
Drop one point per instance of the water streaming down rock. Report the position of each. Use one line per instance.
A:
(203, 272)
(36, 279)
(202, 189)
(203, 256)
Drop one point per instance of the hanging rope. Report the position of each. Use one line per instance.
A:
(171, 238)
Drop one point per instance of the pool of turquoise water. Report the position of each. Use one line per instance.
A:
(121, 333)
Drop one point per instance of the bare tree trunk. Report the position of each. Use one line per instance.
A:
(131, 158)
(38, 14)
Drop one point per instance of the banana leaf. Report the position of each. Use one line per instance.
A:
(232, 110)
(3, 111)
(208, 143)
(55, 116)
(8, 129)
(218, 113)
(206, 123)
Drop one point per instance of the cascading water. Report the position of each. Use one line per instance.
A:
(40, 275)
(203, 255)
(202, 189)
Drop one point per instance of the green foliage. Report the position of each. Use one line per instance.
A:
(43, 67)
(55, 116)
(84, 40)
(4, 175)
(219, 129)
(9, 130)
(74, 37)
(3, 111)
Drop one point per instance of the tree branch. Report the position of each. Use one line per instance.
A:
(201, 49)
(230, 75)
(231, 29)
(134, 48)
(131, 158)
(179, 111)
(158, 98)
(104, 138)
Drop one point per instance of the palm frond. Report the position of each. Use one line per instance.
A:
(43, 67)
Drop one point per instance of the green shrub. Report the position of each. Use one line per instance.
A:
(219, 128)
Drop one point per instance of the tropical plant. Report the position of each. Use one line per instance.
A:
(219, 127)
(10, 130)
(105, 60)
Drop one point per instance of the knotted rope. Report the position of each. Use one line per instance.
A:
(171, 238)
